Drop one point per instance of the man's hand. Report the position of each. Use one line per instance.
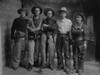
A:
(85, 46)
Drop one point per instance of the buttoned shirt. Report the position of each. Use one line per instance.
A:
(33, 26)
(64, 25)
(52, 26)
(79, 32)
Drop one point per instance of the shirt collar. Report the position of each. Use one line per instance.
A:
(62, 20)
(22, 17)
(35, 18)
(48, 18)
(79, 25)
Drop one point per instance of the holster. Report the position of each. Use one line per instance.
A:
(65, 36)
(34, 35)
(31, 35)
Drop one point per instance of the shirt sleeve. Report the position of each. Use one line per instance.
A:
(70, 25)
(73, 29)
(40, 26)
(13, 28)
(29, 25)
(70, 22)
(85, 33)
(54, 26)
(43, 22)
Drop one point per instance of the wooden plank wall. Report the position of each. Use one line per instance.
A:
(8, 11)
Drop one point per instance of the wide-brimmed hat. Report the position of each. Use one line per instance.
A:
(80, 14)
(22, 9)
(49, 9)
(63, 9)
(34, 8)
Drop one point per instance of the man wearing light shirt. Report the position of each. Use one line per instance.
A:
(34, 28)
(64, 27)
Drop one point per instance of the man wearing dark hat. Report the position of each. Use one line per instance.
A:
(18, 33)
(34, 27)
(79, 46)
(49, 28)
(64, 27)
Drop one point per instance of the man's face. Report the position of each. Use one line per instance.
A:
(78, 19)
(37, 11)
(63, 14)
(22, 14)
(49, 14)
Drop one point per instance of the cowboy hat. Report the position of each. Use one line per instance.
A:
(80, 14)
(63, 9)
(34, 8)
(22, 9)
(48, 9)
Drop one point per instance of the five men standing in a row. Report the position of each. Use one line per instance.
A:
(41, 39)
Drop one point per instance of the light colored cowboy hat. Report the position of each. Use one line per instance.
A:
(63, 9)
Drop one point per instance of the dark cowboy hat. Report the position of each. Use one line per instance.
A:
(22, 9)
(48, 9)
(33, 9)
(63, 9)
(80, 14)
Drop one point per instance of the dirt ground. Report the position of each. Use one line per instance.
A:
(91, 68)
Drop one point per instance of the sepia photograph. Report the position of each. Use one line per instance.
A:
(49, 37)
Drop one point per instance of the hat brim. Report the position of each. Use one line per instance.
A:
(22, 9)
(49, 9)
(62, 11)
(80, 14)
(33, 9)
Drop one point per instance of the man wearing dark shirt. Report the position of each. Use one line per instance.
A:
(18, 33)
(80, 43)
(49, 28)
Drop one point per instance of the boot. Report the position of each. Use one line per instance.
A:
(30, 67)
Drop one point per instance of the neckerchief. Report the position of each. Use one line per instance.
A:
(36, 22)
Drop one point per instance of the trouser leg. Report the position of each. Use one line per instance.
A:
(37, 50)
(66, 54)
(51, 50)
(59, 51)
(31, 46)
(17, 51)
(43, 49)
(81, 57)
(75, 56)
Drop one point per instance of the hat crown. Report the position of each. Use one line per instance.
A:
(37, 9)
(22, 10)
(49, 10)
(64, 9)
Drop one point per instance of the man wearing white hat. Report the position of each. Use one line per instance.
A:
(64, 27)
